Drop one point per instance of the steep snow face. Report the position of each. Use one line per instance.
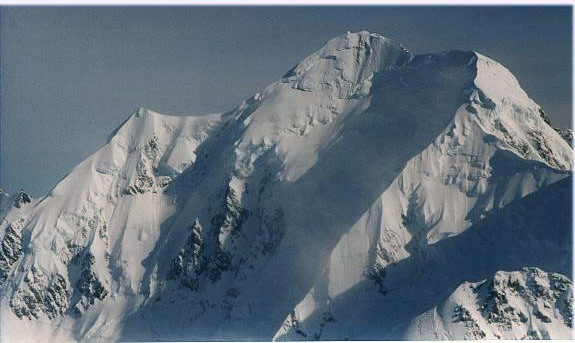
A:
(85, 241)
(517, 121)
(525, 304)
(11, 208)
(473, 166)
(534, 230)
(315, 96)
(345, 66)
(276, 218)
(143, 155)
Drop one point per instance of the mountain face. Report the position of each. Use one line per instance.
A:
(567, 135)
(8, 202)
(519, 305)
(367, 194)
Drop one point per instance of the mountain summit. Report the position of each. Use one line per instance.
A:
(361, 193)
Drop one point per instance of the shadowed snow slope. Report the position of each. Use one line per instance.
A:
(337, 203)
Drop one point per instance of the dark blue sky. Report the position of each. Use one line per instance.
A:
(70, 75)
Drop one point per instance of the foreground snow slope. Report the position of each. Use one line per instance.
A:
(525, 304)
(533, 231)
(300, 212)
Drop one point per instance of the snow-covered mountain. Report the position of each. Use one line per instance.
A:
(526, 304)
(10, 201)
(362, 193)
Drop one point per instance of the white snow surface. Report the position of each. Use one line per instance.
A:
(324, 207)
(525, 304)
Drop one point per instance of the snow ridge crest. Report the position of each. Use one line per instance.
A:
(345, 63)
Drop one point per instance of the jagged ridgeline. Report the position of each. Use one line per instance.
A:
(525, 302)
(367, 194)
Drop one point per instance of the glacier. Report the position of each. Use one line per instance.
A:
(364, 195)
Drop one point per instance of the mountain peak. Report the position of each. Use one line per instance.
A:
(345, 63)
(142, 112)
(355, 181)
(355, 39)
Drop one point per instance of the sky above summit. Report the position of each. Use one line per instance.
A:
(70, 75)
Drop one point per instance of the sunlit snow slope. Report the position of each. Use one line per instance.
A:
(347, 200)
(526, 304)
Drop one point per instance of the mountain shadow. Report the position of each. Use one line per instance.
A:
(409, 108)
(535, 231)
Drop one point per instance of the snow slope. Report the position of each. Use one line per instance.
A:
(297, 214)
(67, 237)
(526, 304)
(12, 203)
(533, 231)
